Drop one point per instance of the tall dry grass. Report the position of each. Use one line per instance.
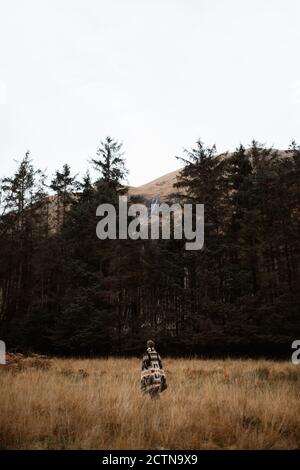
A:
(97, 404)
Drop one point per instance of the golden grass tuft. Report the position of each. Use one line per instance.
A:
(97, 404)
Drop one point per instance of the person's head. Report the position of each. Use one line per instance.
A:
(150, 343)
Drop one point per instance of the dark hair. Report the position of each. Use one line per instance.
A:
(150, 343)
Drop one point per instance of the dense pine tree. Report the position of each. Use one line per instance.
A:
(64, 291)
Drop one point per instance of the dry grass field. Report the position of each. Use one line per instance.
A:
(97, 404)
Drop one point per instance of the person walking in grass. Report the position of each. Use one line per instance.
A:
(153, 379)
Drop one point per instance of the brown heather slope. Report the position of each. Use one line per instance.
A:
(163, 186)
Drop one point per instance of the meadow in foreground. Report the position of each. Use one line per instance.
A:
(97, 404)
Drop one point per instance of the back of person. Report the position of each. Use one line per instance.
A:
(153, 379)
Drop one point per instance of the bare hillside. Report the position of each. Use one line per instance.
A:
(161, 186)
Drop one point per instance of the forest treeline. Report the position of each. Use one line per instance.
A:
(63, 291)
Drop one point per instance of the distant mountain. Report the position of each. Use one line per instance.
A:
(163, 186)
(160, 187)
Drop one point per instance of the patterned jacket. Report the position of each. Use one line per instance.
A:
(152, 375)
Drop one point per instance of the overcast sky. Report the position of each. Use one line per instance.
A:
(156, 74)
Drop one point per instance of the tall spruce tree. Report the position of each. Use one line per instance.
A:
(110, 162)
(88, 319)
(23, 196)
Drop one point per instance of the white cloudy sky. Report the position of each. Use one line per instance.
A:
(156, 74)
